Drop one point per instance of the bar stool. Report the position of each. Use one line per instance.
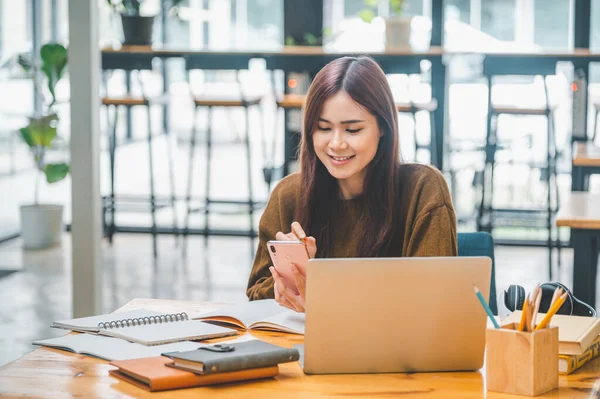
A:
(487, 212)
(412, 108)
(131, 203)
(287, 102)
(210, 102)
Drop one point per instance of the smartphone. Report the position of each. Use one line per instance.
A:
(283, 254)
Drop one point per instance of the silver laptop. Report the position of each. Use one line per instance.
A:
(383, 315)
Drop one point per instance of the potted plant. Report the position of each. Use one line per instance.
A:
(397, 26)
(41, 224)
(137, 28)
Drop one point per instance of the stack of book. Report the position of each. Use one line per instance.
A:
(569, 363)
(209, 365)
(158, 351)
(578, 339)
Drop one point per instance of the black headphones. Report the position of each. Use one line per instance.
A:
(514, 298)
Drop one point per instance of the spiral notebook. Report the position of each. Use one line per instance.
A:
(147, 328)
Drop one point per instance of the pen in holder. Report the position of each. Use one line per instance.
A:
(521, 363)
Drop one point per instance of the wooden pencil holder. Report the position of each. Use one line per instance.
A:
(521, 363)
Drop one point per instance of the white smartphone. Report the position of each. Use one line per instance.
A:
(283, 254)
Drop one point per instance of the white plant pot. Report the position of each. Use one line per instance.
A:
(397, 32)
(41, 225)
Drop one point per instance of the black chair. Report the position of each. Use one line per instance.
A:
(480, 244)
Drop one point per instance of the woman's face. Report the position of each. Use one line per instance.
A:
(345, 140)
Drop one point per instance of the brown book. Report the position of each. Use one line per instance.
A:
(151, 374)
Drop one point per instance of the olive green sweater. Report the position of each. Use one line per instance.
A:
(428, 223)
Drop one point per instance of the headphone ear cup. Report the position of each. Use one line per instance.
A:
(514, 297)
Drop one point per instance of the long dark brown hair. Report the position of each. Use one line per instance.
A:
(366, 83)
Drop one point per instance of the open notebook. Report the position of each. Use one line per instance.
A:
(265, 314)
(112, 348)
(147, 328)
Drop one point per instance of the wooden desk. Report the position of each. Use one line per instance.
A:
(586, 162)
(49, 373)
(581, 212)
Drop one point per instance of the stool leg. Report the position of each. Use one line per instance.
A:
(488, 160)
(250, 197)
(172, 188)
(494, 127)
(595, 125)
(549, 242)
(112, 145)
(208, 161)
(152, 192)
(414, 120)
(432, 137)
(188, 195)
(556, 187)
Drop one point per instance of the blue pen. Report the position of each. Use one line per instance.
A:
(485, 306)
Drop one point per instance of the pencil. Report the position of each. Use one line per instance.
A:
(559, 302)
(557, 293)
(528, 315)
(536, 308)
(303, 241)
(523, 315)
(485, 306)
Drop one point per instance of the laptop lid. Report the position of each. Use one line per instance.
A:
(377, 315)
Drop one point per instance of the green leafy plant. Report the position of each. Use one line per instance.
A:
(309, 40)
(132, 7)
(40, 133)
(370, 11)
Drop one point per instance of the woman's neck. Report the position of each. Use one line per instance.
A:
(351, 187)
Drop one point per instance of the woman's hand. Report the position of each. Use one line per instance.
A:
(298, 234)
(285, 295)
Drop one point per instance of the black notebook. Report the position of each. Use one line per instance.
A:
(222, 358)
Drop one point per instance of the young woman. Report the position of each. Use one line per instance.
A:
(353, 197)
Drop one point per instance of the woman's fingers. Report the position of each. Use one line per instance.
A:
(285, 237)
(300, 282)
(311, 246)
(285, 293)
(298, 231)
(282, 300)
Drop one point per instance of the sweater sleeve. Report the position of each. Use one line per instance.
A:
(273, 219)
(434, 233)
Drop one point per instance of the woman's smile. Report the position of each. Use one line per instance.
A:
(340, 161)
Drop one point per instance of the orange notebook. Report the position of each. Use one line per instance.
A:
(151, 374)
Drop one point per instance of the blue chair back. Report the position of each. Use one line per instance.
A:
(480, 244)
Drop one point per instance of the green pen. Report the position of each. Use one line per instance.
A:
(485, 306)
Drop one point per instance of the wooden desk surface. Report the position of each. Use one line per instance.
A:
(579, 210)
(586, 154)
(48, 373)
